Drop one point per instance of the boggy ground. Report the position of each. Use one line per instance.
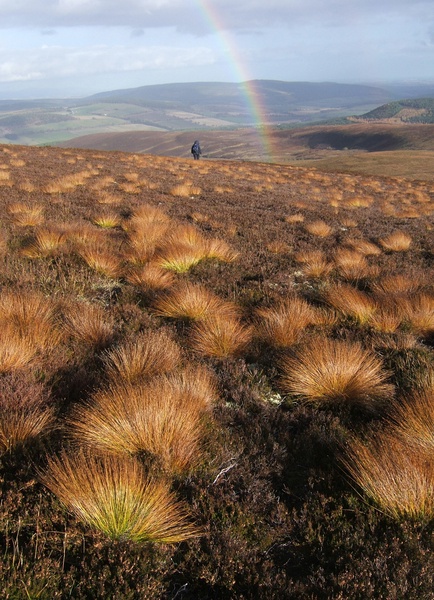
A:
(276, 512)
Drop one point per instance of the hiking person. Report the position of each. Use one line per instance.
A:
(195, 150)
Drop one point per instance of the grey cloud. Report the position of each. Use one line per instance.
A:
(195, 16)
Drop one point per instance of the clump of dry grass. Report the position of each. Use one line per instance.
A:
(180, 258)
(116, 497)
(30, 317)
(420, 314)
(220, 250)
(220, 336)
(148, 354)
(351, 264)
(89, 324)
(329, 371)
(412, 419)
(397, 477)
(315, 263)
(163, 418)
(318, 228)
(398, 284)
(26, 215)
(102, 260)
(398, 241)
(364, 247)
(25, 412)
(192, 301)
(295, 218)
(351, 302)
(108, 220)
(281, 326)
(149, 277)
(48, 241)
(185, 190)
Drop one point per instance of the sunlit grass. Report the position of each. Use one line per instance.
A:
(351, 302)
(117, 497)
(283, 324)
(329, 371)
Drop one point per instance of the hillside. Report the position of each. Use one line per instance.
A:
(217, 380)
(418, 110)
(357, 147)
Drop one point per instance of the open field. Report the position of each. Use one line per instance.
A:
(217, 378)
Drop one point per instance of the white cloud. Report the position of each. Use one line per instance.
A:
(47, 61)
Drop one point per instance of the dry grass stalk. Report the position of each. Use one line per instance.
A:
(388, 317)
(116, 497)
(16, 351)
(318, 228)
(398, 478)
(150, 353)
(192, 301)
(159, 418)
(282, 325)
(220, 336)
(295, 218)
(399, 241)
(24, 412)
(26, 215)
(180, 258)
(351, 302)
(89, 324)
(329, 371)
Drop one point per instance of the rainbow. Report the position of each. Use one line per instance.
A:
(253, 101)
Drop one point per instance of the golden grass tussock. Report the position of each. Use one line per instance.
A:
(102, 259)
(397, 477)
(193, 301)
(388, 316)
(398, 241)
(25, 411)
(180, 258)
(318, 228)
(31, 320)
(148, 354)
(26, 215)
(351, 302)
(295, 218)
(420, 314)
(217, 249)
(108, 220)
(106, 197)
(115, 496)
(412, 418)
(90, 324)
(333, 371)
(184, 190)
(278, 247)
(163, 418)
(315, 263)
(16, 351)
(364, 247)
(398, 283)
(150, 277)
(220, 336)
(46, 242)
(282, 325)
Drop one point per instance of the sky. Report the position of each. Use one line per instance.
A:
(73, 48)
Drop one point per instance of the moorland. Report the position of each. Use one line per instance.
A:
(217, 379)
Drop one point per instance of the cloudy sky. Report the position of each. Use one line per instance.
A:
(78, 47)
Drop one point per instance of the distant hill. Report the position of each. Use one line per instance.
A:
(417, 110)
(185, 107)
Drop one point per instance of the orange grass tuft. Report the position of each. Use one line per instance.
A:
(46, 242)
(116, 497)
(220, 336)
(328, 371)
(163, 418)
(24, 412)
(318, 228)
(89, 324)
(282, 325)
(397, 477)
(399, 241)
(150, 353)
(192, 301)
(351, 302)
